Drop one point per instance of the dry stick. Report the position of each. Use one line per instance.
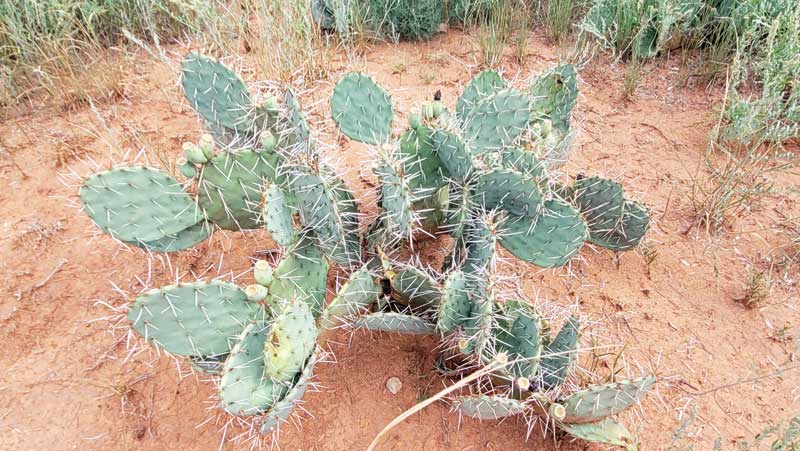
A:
(775, 373)
(499, 361)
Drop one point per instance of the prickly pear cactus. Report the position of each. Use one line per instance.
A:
(481, 174)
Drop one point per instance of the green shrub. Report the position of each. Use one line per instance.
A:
(407, 19)
(773, 111)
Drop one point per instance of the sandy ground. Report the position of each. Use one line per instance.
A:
(70, 381)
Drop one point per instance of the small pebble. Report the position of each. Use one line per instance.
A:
(394, 385)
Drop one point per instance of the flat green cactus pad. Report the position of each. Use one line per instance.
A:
(558, 355)
(550, 239)
(483, 407)
(290, 341)
(281, 410)
(421, 164)
(394, 322)
(453, 154)
(456, 305)
(397, 200)
(243, 389)
(217, 93)
(481, 86)
(520, 338)
(138, 204)
(607, 431)
(362, 109)
(497, 121)
(277, 216)
(329, 209)
(231, 185)
(600, 202)
(522, 161)
(509, 191)
(354, 297)
(628, 232)
(553, 96)
(415, 288)
(478, 327)
(193, 319)
(301, 274)
(481, 243)
(602, 401)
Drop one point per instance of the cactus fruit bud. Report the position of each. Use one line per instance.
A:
(414, 120)
(194, 154)
(437, 107)
(207, 145)
(270, 104)
(547, 127)
(255, 292)
(557, 411)
(463, 344)
(427, 111)
(186, 169)
(524, 383)
(268, 142)
(262, 271)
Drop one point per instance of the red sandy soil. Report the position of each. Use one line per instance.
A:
(70, 383)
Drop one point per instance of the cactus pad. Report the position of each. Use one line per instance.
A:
(523, 161)
(550, 239)
(329, 210)
(453, 154)
(138, 204)
(607, 431)
(629, 231)
(600, 202)
(553, 96)
(455, 306)
(290, 341)
(478, 327)
(302, 274)
(354, 297)
(277, 216)
(243, 389)
(497, 121)
(231, 185)
(394, 322)
(480, 240)
(602, 401)
(217, 93)
(481, 86)
(508, 190)
(483, 407)
(362, 109)
(421, 164)
(559, 354)
(415, 288)
(397, 200)
(196, 318)
(279, 413)
(520, 338)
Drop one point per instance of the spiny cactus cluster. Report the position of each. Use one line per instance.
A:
(478, 174)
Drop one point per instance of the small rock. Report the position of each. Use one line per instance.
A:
(394, 385)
